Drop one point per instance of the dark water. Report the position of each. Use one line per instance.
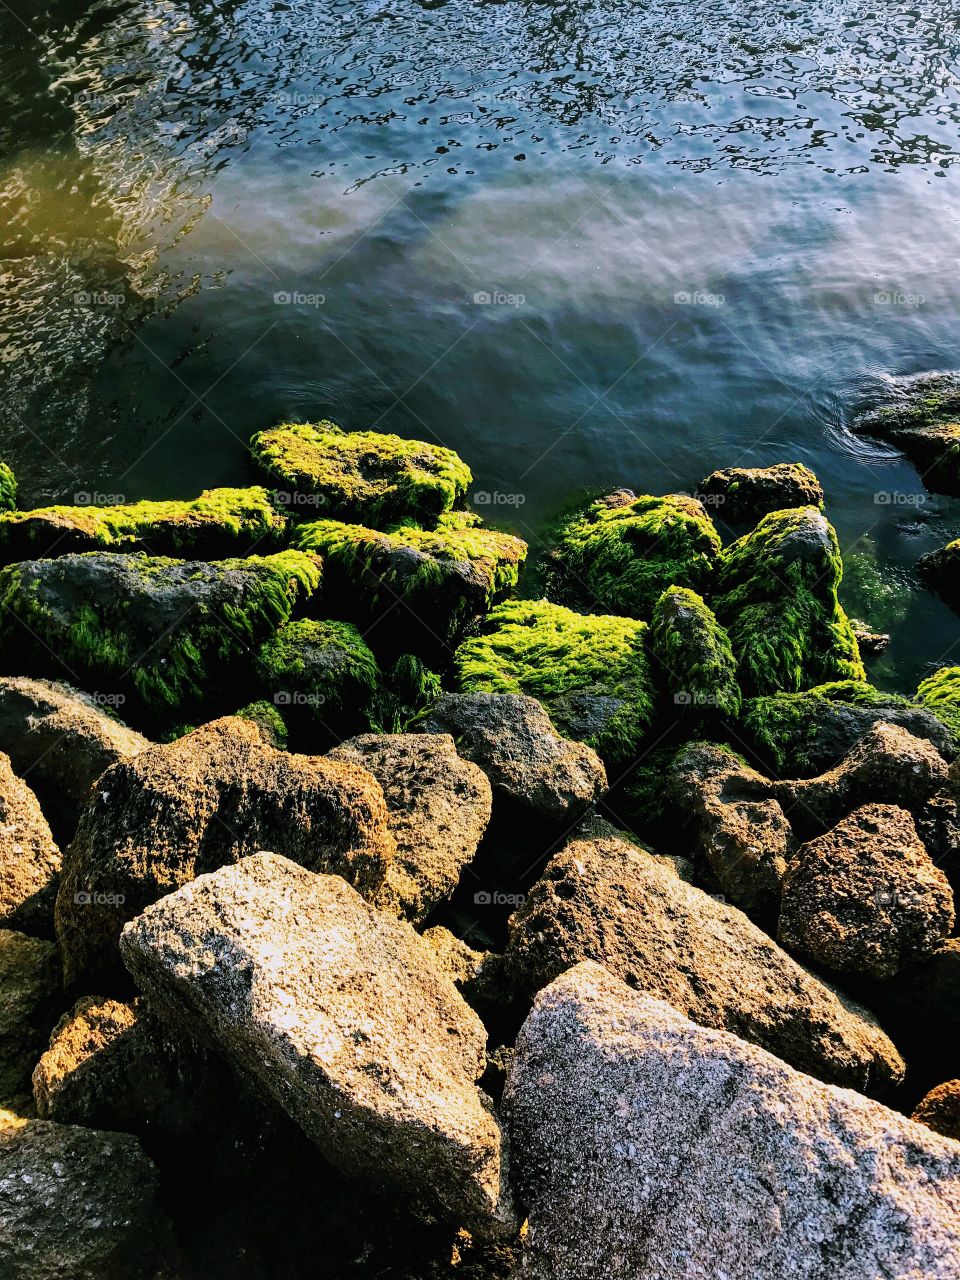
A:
(709, 231)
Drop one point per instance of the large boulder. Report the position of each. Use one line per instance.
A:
(77, 1204)
(866, 897)
(749, 493)
(921, 415)
(510, 736)
(29, 858)
(341, 1014)
(62, 740)
(190, 806)
(439, 806)
(645, 1145)
(693, 658)
(607, 901)
(30, 994)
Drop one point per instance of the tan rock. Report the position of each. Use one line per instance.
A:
(29, 858)
(939, 1110)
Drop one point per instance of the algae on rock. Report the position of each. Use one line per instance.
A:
(8, 488)
(922, 417)
(693, 656)
(940, 693)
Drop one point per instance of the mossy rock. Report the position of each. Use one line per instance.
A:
(378, 479)
(921, 415)
(221, 522)
(172, 632)
(620, 554)
(8, 488)
(749, 493)
(799, 735)
(940, 570)
(322, 675)
(407, 692)
(940, 693)
(591, 672)
(693, 657)
(268, 718)
(777, 597)
(441, 581)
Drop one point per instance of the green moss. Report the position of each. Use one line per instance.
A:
(693, 656)
(271, 722)
(777, 597)
(321, 674)
(218, 523)
(8, 488)
(941, 694)
(591, 672)
(407, 692)
(360, 475)
(446, 579)
(619, 559)
(747, 493)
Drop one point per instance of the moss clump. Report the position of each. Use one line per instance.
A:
(172, 631)
(591, 672)
(321, 674)
(940, 570)
(777, 597)
(693, 657)
(444, 579)
(8, 488)
(922, 417)
(360, 475)
(941, 694)
(748, 493)
(218, 523)
(407, 692)
(619, 555)
(271, 722)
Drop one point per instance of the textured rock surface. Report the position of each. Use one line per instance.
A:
(604, 900)
(61, 740)
(76, 1204)
(865, 897)
(920, 413)
(939, 1110)
(439, 807)
(343, 1016)
(195, 804)
(29, 859)
(29, 993)
(748, 493)
(510, 736)
(647, 1146)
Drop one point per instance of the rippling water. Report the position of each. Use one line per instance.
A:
(584, 244)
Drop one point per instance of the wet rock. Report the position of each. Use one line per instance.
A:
(869, 642)
(921, 415)
(343, 1016)
(749, 493)
(648, 1146)
(940, 569)
(30, 994)
(29, 858)
(510, 736)
(606, 901)
(865, 897)
(439, 806)
(939, 1110)
(693, 657)
(62, 740)
(195, 804)
(77, 1204)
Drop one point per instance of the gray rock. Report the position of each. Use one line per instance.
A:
(30, 994)
(343, 1016)
(29, 858)
(512, 739)
(646, 1146)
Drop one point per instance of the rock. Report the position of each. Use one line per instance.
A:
(477, 975)
(605, 900)
(166, 633)
(869, 642)
(591, 672)
(190, 806)
(342, 1015)
(940, 693)
(438, 806)
(693, 658)
(940, 569)
(920, 414)
(939, 1110)
(80, 1205)
(29, 858)
(366, 476)
(777, 597)
(594, 827)
(922, 1007)
(510, 736)
(938, 826)
(749, 493)
(29, 995)
(619, 558)
(647, 1146)
(62, 740)
(865, 897)
(438, 583)
(8, 488)
(221, 522)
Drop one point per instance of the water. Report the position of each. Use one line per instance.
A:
(708, 233)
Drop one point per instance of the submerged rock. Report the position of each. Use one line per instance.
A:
(645, 1145)
(366, 476)
(748, 493)
(591, 672)
(939, 1109)
(921, 415)
(343, 1015)
(195, 804)
(510, 736)
(439, 806)
(619, 557)
(865, 897)
(441, 581)
(693, 657)
(29, 858)
(777, 597)
(30, 989)
(606, 901)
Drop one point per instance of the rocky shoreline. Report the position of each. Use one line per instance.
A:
(362, 917)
